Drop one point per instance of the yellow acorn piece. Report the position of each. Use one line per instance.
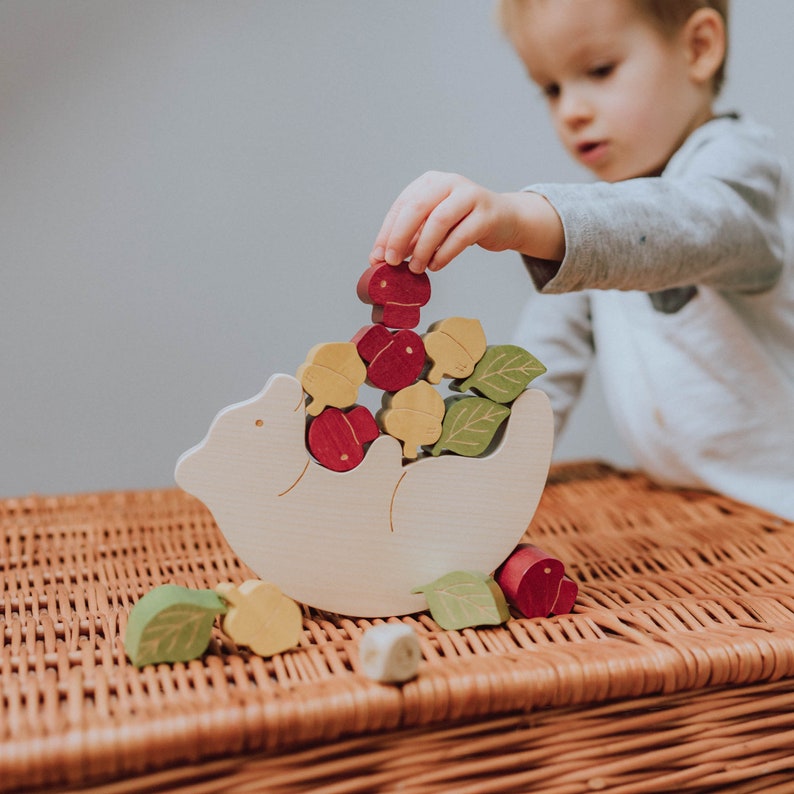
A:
(413, 415)
(260, 617)
(454, 346)
(331, 375)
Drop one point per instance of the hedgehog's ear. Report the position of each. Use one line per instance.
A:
(286, 391)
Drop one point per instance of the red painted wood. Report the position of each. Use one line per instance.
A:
(396, 293)
(532, 582)
(336, 438)
(566, 598)
(395, 359)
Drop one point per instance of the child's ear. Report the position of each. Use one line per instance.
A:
(704, 36)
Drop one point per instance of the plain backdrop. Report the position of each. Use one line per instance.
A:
(190, 190)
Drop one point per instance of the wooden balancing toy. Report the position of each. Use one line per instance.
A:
(418, 507)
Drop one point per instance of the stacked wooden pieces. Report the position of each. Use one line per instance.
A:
(389, 355)
(360, 514)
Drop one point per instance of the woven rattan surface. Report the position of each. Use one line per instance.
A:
(672, 673)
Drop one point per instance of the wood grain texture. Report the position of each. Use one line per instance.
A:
(394, 359)
(454, 346)
(413, 415)
(171, 623)
(358, 542)
(396, 293)
(531, 579)
(337, 438)
(260, 616)
(390, 652)
(331, 375)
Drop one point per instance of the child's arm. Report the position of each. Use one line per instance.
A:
(440, 215)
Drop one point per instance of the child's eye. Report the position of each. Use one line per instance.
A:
(551, 91)
(602, 70)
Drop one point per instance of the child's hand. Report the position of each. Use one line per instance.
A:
(436, 217)
(440, 215)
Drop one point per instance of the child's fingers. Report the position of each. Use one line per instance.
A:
(377, 256)
(466, 233)
(405, 220)
(409, 226)
(438, 227)
(386, 240)
(378, 253)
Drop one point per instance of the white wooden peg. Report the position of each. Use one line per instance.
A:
(390, 653)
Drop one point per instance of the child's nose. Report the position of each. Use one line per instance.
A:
(574, 108)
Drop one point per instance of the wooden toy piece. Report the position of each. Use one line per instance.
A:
(396, 292)
(357, 542)
(566, 598)
(336, 438)
(502, 373)
(331, 375)
(470, 424)
(390, 653)
(453, 346)
(414, 416)
(462, 599)
(171, 624)
(260, 617)
(395, 359)
(532, 581)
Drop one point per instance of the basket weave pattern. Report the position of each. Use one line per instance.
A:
(672, 673)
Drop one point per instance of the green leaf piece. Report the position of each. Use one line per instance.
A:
(171, 624)
(502, 373)
(470, 423)
(465, 598)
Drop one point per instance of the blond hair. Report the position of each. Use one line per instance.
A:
(668, 16)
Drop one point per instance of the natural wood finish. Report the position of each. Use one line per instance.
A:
(358, 542)
(674, 673)
(390, 652)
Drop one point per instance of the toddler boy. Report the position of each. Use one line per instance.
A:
(674, 269)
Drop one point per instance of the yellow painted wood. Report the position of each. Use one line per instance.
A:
(260, 616)
(331, 375)
(454, 346)
(413, 415)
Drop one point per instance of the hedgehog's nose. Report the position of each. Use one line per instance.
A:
(186, 469)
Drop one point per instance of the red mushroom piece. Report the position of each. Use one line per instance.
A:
(396, 293)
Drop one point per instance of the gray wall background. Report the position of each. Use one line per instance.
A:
(190, 190)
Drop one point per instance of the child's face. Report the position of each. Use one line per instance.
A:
(619, 91)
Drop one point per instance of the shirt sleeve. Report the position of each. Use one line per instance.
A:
(712, 218)
(557, 330)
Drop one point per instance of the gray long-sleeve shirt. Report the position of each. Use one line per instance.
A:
(682, 286)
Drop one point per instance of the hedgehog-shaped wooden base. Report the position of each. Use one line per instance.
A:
(361, 538)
